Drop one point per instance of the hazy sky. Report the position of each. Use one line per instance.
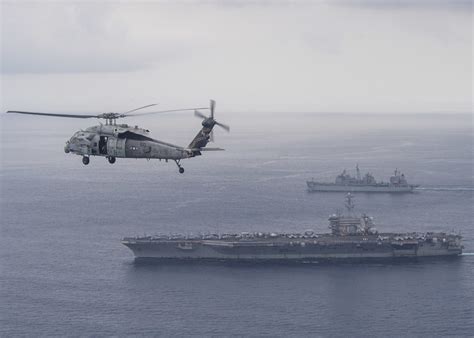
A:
(264, 56)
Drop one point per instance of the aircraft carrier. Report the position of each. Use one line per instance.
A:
(346, 183)
(351, 237)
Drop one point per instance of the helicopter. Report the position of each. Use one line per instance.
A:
(114, 140)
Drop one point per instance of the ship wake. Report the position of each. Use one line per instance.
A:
(446, 188)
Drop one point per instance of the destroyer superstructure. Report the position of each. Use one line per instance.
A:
(351, 237)
(346, 183)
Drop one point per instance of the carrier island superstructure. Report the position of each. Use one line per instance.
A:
(345, 182)
(351, 237)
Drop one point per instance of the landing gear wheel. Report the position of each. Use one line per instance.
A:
(111, 159)
(85, 160)
(181, 169)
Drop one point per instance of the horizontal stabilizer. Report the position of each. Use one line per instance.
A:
(212, 149)
(206, 149)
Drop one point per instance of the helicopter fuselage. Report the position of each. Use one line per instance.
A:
(114, 140)
(123, 141)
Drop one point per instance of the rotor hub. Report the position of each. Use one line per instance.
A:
(209, 122)
(109, 116)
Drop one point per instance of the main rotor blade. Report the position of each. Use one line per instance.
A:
(199, 114)
(223, 126)
(50, 114)
(212, 107)
(163, 111)
(150, 105)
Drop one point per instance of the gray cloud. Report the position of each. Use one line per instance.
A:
(73, 38)
(254, 57)
(462, 5)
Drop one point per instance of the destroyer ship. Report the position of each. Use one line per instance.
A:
(351, 237)
(346, 183)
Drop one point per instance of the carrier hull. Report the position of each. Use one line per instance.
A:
(325, 247)
(351, 238)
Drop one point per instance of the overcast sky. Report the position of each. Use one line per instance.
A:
(262, 56)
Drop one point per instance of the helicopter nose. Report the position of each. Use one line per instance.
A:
(66, 147)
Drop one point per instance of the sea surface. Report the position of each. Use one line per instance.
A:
(64, 271)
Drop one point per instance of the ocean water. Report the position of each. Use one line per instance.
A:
(64, 271)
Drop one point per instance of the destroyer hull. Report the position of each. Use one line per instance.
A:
(321, 187)
(306, 250)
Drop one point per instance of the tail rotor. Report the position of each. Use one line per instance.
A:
(209, 121)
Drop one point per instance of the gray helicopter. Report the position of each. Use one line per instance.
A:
(114, 140)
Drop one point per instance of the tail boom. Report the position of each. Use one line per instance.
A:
(202, 138)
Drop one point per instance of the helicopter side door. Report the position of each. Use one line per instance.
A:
(95, 150)
(116, 147)
(103, 145)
